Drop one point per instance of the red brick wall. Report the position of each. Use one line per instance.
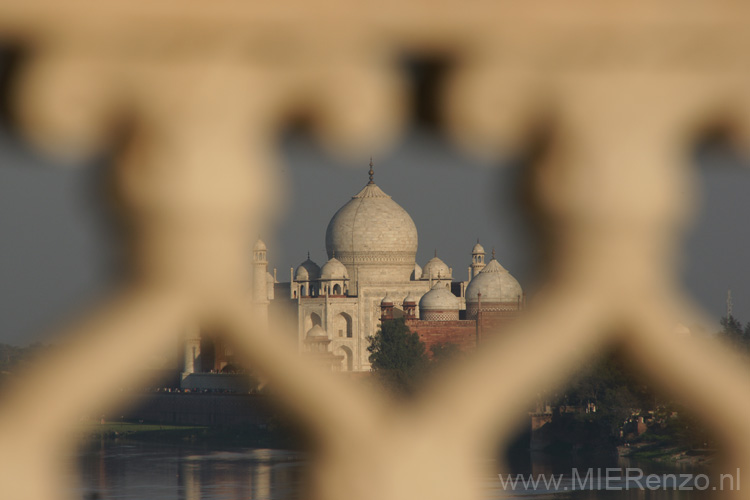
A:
(461, 333)
(492, 323)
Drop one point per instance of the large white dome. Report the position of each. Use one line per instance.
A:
(373, 237)
(495, 284)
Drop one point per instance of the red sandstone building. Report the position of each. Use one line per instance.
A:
(492, 298)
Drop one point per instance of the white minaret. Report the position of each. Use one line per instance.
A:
(192, 359)
(477, 259)
(260, 281)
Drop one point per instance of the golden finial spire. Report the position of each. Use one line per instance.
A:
(371, 172)
(493, 253)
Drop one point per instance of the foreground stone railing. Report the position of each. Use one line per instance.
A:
(191, 95)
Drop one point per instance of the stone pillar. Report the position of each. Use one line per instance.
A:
(326, 313)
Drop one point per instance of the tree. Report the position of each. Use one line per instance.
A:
(445, 352)
(397, 356)
(613, 388)
(731, 327)
(732, 331)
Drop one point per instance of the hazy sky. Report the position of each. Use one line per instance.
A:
(56, 253)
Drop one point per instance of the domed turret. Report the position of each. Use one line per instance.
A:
(386, 307)
(259, 245)
(305, 278)
(317, 344)
(500, 291)
(316, 331)
(334, 270)
(307, 271)
(334, 277)
(373, 237)
(410, 305)
(477, 259)
(439, 304)
(259, 251)
(317, 340)
(436, 269)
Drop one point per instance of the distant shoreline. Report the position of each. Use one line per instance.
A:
(668, 454)
(256, 436)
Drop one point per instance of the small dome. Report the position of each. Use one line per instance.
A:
(307, 271)
(495, 284)
(412, 297)
(477, 248)
(259, 245)
(417, 273)
(386, 300)
(436, 268)
(440, 297)
(334, 270)
(316, 332)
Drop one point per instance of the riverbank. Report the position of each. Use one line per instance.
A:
(253, 436)
(668, 453)
(136, 430)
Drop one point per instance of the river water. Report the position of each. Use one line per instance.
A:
(144, 471)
